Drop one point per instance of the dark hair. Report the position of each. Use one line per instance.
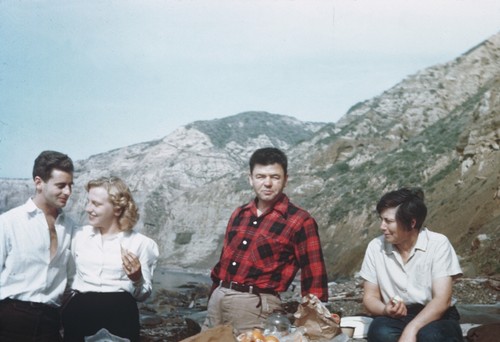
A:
(268, 156)
(47, 161)
(410, 206)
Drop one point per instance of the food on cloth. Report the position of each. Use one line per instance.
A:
(256, 335)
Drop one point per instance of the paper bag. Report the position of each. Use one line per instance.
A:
(316, 319)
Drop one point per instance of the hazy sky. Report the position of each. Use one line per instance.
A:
(84, 77)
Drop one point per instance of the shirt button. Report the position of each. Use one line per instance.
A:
(233, 263)
(245, 242)
(254, 223)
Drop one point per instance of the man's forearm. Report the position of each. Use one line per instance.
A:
(433, 311)
(374, 306)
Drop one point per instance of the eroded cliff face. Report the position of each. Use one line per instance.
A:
(14, 192)
(438, 129)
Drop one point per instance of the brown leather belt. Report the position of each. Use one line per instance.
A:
(246, 288)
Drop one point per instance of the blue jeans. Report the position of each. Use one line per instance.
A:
(388, 329)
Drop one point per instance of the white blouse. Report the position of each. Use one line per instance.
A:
(98, 264)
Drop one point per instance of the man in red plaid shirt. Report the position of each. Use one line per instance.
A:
(267, 241)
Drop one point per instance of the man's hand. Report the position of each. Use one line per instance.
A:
(373, 302)
(396, 308)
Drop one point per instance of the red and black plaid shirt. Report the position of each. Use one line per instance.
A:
(268, 251)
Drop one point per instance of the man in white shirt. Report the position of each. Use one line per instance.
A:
(408, 273)
(35, 239)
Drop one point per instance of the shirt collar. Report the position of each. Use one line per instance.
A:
(388, 247)
(421, 244)
(95, 231)
(32, 209)
(281, 205)
(423, 240)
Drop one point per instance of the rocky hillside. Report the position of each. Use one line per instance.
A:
(439, 129)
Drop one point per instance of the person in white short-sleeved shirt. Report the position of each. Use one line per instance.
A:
(114, 265)
(408, 273)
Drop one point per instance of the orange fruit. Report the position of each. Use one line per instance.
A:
(257, 335)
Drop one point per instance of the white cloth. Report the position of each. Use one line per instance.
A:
(27, 273)
(432, 257)
(98, 263)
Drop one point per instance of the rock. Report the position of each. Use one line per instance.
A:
(151, 320)
(193, 327)
(494, 282)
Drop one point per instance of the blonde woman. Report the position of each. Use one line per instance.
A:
(113, 265)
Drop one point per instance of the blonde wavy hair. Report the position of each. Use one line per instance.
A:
(121, 198)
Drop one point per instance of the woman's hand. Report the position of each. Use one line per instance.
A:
(131, 265)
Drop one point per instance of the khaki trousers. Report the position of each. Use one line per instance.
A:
(227, 306)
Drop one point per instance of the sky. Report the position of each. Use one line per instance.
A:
(86, 77)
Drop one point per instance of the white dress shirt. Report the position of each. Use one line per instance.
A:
(27, 273)
(432, 257)
(98, 263)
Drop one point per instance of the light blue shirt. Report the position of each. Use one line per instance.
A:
(27, 272)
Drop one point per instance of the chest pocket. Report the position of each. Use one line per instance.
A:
(268, 251)
(423, 275)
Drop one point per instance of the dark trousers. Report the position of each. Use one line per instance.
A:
(86, 313)
(388, 329)
(28, 322)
